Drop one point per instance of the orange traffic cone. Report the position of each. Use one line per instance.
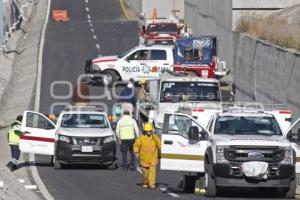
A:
(154, 15)
(60, 15)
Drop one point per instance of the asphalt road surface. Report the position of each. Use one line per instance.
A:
(97, 27)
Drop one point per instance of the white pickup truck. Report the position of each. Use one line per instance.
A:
(174, 91)
(141, 62)
(82, 135)
(240, 147)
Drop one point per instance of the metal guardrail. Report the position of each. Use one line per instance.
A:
(14, 13)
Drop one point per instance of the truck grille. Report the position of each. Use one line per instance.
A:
(254, 153)
(86, 141)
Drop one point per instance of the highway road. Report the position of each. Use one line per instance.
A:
(97, 27)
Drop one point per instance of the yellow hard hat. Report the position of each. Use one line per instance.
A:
(148, 127)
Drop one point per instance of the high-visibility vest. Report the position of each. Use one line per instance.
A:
(13, 138)
(126, 128)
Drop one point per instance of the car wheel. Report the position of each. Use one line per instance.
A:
(291, 191)
(189, 183)
(210, 183)
(109, 77)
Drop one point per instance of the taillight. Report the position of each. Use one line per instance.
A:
(285, 112)
(198, 110)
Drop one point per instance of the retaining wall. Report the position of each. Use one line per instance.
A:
(266, 73)
(261, 71)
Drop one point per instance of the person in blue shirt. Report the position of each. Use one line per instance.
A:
(127, 95)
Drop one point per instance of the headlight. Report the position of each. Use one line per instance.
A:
(64, 138)
(108, 139)
(288, 156)
(220, 158)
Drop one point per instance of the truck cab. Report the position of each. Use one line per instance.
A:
(236, 141)
(160, 33)
(199, 56)
(174, 91)
(141, 62)
(82, 135)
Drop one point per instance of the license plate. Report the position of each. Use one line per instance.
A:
(204, 72)
(86, 149)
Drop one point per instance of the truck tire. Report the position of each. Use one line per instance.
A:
(211, 189)
(291, 191)
(57, 164)
(189, 183)
(111, 77)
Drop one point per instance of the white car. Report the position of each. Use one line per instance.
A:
(236, 144)
(141, 62)
(81, 136)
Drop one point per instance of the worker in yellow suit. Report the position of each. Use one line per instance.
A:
(146, 147)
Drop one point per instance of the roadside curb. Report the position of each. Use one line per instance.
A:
(18, 96)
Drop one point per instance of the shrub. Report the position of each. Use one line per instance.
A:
(271, 28)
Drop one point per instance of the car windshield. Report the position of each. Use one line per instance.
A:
(162, 28)
(189, 91)
(126, 52)
(247, 125)
(84, 121)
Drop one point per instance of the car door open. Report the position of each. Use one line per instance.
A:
(293, 135)
(183, 134)
(39, 134)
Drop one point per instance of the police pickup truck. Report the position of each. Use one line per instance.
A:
(242, 146)
(82, 135)
(175, 90)
(141, 62)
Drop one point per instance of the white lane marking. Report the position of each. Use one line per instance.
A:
(37, 179)
(88, 16)
(40, 62)
(86, 1)
(35, 175)
(30, 187)
(95, 37)
(21, 180)
(98, 46)
(165, 190)
(89, 21)
(91, 25)
(87, 9)
(92, 30)
(1, 184)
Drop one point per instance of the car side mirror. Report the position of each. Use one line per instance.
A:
(127, 59)
(193, 133)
